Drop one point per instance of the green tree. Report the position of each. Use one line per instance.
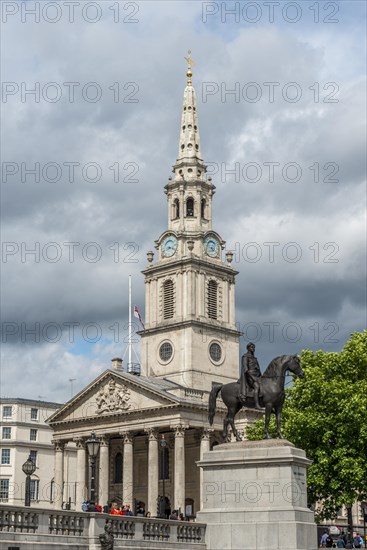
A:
(325, 414)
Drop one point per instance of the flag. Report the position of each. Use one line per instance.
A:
(137, 314)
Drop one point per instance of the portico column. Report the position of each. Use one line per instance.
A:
(59, 474)
(80, 473)
(179, 484)
(104, 467)
(152, 471)
(204, 447)
(127, 481)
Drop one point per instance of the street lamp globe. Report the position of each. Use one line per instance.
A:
(29, 466)
(93, 444)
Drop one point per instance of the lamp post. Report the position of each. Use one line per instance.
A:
(28, 468)
(92, 445)
(163, 445)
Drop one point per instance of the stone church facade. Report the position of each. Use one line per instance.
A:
(190, 340)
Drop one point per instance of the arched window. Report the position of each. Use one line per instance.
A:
(212, 299)
(118, 468)
(168, 299)
(34, 486)
(190, 207)
(203, 205)
(189, 507)
(176, 208)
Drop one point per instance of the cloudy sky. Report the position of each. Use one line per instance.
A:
(281, 102)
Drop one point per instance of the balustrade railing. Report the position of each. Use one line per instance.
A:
(122, 528)
(61, 524)
(16, 520)
(88, 525)
(157, 530)
(189, 532)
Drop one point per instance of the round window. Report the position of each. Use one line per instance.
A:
(215, 352)
(165, 351)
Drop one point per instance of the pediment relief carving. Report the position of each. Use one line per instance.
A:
(110, 397)
(113, 398)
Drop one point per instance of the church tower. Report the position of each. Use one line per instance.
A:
(190, 334)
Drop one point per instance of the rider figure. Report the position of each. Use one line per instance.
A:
(250, 375)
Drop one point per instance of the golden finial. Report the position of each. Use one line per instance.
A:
(189, 72)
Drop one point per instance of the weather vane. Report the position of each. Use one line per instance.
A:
(189, 72)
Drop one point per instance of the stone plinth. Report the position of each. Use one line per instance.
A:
(254, 497)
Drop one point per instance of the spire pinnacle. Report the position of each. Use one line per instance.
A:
(189, 164)
(189, 71)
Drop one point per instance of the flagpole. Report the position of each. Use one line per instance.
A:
(130, 327)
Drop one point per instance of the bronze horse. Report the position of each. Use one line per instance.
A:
(272, 395)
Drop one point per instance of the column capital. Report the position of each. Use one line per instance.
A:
(127, 437)
(179, 430)
(104, 440)
(205, 433)
(152, 434)
(79, 442)
(59, 444)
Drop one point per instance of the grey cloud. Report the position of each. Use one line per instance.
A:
(146, 133)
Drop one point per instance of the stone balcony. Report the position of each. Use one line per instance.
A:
(37, 529)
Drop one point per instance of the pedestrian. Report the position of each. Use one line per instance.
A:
(340, 542)
(357, 541)
(115, 509)
(128, 512)
(323, 539)
(329, 541)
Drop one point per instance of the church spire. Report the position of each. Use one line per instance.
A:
(189, 191)
(189, 162)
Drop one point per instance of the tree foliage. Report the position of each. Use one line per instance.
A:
(325, 414)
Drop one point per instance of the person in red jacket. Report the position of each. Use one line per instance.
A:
(115, 510)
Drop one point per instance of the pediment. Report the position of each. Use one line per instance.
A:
(113, 394)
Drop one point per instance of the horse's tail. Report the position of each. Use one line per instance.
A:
(212, 401)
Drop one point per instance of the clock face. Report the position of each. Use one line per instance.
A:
(169, 246)
(211, 246)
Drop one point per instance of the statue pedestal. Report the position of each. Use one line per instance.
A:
(254, 497)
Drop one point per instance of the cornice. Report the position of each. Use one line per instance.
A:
(192, 260)
(180, 324)
(130, 415)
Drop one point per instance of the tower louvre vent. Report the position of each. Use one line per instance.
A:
(212, 300)
(168, 299)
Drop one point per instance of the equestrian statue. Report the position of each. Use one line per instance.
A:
(255, 390)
